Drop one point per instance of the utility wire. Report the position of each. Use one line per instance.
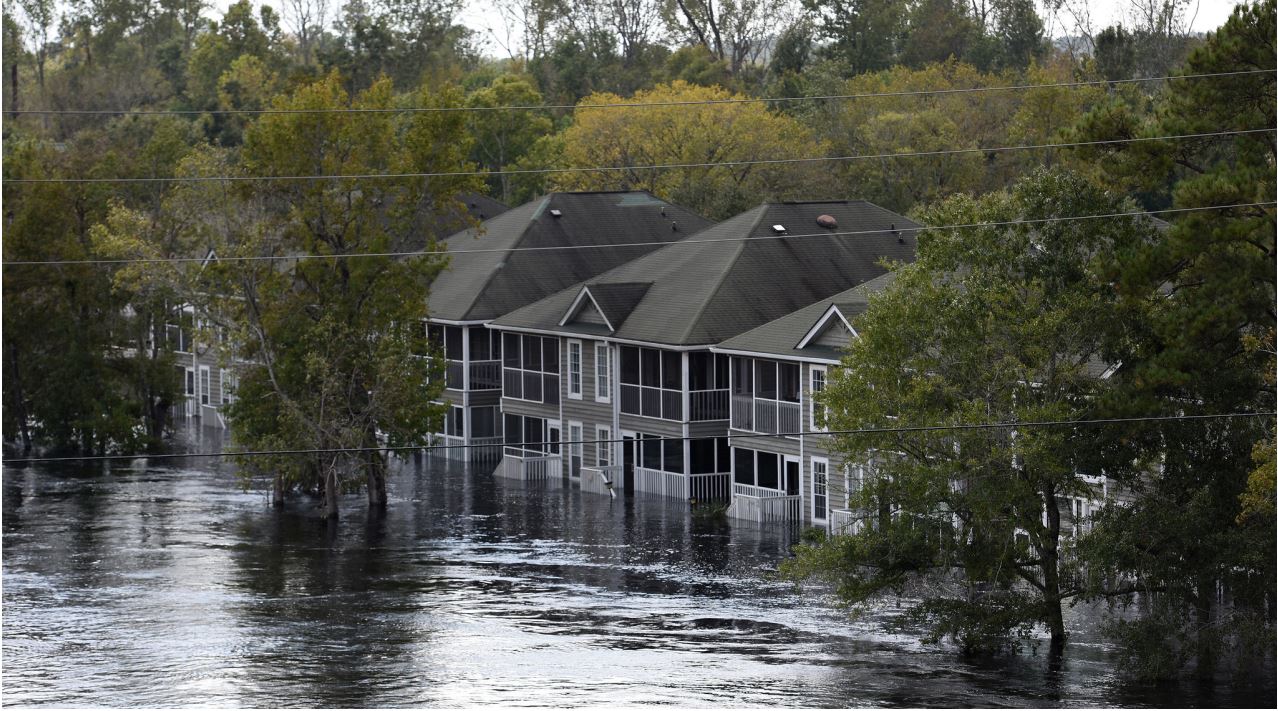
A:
(690, 241)
(674, 438)
(615, 169)
(646, 104)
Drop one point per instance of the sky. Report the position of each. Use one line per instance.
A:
(482, 16)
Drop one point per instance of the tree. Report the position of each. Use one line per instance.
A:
(1005, 323)
(864, 35)
(1213, 277)
(502, 137)
(709, 133)
(734, 31)
(334, 341)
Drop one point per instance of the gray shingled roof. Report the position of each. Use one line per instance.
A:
(782, 336)
(706, 291)
(484, 285)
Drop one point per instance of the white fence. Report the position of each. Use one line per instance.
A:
(527, 466)
(844, 521)
(769, 416)
(701, 487)
(481, 448)
(602, 480)
(754, 503)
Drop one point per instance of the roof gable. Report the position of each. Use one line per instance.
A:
(833, 330)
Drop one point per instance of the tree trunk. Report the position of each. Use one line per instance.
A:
(277, 492)
(1204, 608)
(330, 490)
(19, 398)
(1051, 574)
(376, 481)
(13, 91)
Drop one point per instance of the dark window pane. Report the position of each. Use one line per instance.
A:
(671, 370)
(550, 355)
(789, 385)
(744, 466)
(768, 474)
(700, 371)
(511, 350)
(436, 336)
(651, 452)
(532, 353)
(479, 347)
(496, 341)
(725, 452)
(630, 365)
(720, 372)
(742, 376)
(650, 367)
(514, 429)
(534, 433)
(483, 421)
(765, 379)
(453, 342)
(701, 454)
(674, 456)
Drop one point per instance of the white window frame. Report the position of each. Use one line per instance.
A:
(820, 489)
(824, 425)
(574, 369)
(577, 450)
(603, 448)
(603, 373)
(204, 384)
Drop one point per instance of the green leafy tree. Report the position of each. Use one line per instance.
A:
(1213, 277)
(335, 342)
(502, 137)
(1006, 323)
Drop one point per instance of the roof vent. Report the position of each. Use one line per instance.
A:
(778, 229)
(899, 238)
(674, 226)
(556, 213)
(827, 221)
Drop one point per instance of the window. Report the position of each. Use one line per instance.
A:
(768, 470)
(820, 489)
(818, 412)
(788, 382)
(709, 455)
(530, 368)
(603, 448)
(575, 447)
(652, 383)
(190, 381)
(228, 386)
(455, 422)
(742, 376)
(574, 369)
(765, 379)
(205, 385)
(603, 373)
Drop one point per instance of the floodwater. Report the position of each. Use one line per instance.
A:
(166, 584)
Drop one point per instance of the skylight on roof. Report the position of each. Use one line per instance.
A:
(778, 229)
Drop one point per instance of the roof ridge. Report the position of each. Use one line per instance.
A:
(528, 222)
(739, 247)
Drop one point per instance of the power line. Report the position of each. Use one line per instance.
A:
(673, 438)
(690, 241)
(615, 169)
(646, 104)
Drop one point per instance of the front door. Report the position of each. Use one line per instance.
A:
(791, 477)
(628, 463)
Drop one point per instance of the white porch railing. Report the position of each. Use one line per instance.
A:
(529, 466)
(844, 521)
(602, 480)
(485, 375)
(761, 505)
(651, 402)
(453, 374)
(706, 405)
(701, 487)
(486, 448)
(767, 416)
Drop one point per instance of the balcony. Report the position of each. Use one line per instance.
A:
(765, 416)
(485, 375)
(708, 405)
(844, 521)
(523, 465)
(602, 480)
(652, 402)
(454, 375)
(530, 385)
(698, 487)
(761, 505)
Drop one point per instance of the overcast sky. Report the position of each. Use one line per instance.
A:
(1206, 15)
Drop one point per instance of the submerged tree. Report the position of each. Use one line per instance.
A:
(1008, 323)
(1190, 538)
(331, 330)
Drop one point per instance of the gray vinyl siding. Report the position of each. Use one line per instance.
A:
(529, 409)
(586, 411)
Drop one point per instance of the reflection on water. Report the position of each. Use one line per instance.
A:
(169, 585)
